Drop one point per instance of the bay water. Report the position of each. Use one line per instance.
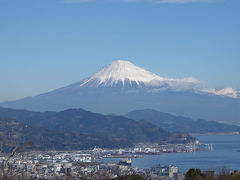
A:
(225, 153)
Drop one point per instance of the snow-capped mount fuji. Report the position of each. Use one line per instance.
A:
(121, 87)
(125, 75)
(121, 71)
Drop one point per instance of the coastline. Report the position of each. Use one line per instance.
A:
(214, 133)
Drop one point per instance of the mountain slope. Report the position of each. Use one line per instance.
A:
(179, 123)
(122, 86)
(83, 122)
(14, 134)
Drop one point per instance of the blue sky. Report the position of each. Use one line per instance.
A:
(46, 44)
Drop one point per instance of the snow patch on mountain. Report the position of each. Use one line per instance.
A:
(126, 72)
(121, 71)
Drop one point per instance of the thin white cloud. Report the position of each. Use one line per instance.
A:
(151, 1)
(77, 1)
(182, 1)
(230, 92)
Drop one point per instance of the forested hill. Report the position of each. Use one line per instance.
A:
(14, 134)
(79, 121)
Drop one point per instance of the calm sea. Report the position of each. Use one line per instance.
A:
(224, 154)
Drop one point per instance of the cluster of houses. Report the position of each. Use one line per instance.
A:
(75, 165)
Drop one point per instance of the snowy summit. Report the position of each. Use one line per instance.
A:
(125, 73)
(122, 71)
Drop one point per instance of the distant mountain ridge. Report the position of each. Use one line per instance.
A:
(79, 121)
(121, 86)
(173, 123)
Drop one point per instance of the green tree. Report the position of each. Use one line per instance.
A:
(194, 174)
